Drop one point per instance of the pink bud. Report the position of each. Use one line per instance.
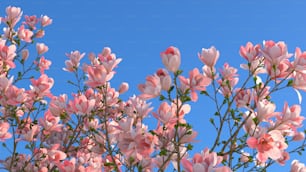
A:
(123, 87)
(209, 56)
(244, 157)
(24, 54)
(40, 34)
(45, 21)
(41, 48)
(299, 136)
(171, 58)
(165, 79)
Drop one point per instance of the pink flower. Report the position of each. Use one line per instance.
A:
(45, 21)
(98, 76)
(249, 52)
(31, 21)
(165, 79)
(204, 162)
(81, 105)
(43, 64)
(269, 145)
(171, 58)
(299, 63)
(265, 110)
(55, 155)
(50, 123)
(41, 48)
(166, 114)
(4, 134)
(41, 87)
(13, 15)
(24, 54)
(196, 81)
(7, 53)
(58, 105)
(108, 59)
(25, 34)
(123, 88)
(297, 166)
(299, 81)
(74, 60)
(15, 95)
(243, 97)
(151, 88)
(209, 56)
(274, 53)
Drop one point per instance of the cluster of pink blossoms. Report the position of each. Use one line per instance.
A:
(93, 129)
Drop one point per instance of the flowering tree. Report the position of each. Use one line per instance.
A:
(95, 130)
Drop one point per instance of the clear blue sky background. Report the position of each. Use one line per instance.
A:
(138, 31)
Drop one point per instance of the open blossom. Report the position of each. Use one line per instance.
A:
(151, 88)
(50, 123)
(98, 76)
(43, 64)
(15, 95)
(4, 134)
(31, 21)
(25, 34)
(165, 114)
(209, 56)
(137, 108)
(41, 87)
(7, 53)
(249, 51)
(268, 145)
(171, 58)
(58, 105)
(205, 162)
(274, 53)
(290, 119)
(13, 15)
(81, 105)
(299, 81)
(108, 59)
(265, 110)
(195, 82)
(299, 63)
(74, 60)
(243, 97)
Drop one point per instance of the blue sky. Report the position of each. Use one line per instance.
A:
(138, 31)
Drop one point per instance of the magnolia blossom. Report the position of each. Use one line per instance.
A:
(74, 61)
(196, 81)
(274, 53)
(45, 21)
(249, 51)
(98, 76)
(268, 145)
(171, 58)
(13, 15)
(25, 34)
(204, 162)
(7, 54)
(41, 48)
(4, 134)
(31, 21)
(165, 79)
(297, 166)
(209, 56)
(151, 88)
